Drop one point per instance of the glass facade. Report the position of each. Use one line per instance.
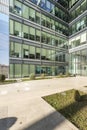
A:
(38, 39)
(78, 38)
(41, 32)
(78, 62)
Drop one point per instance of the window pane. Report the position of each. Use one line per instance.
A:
(25, 12)
(32, 52)
(32, 69)
(25, 32)
(32, 14)
(17, 8)
(11, 27)
(17, 70)
(38, 15)
(38, 33)
(11, 69)
(25, 70)
(32, 33)
(17, 30)
(25, 51)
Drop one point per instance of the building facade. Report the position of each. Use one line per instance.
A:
(46, 36)
(4, 37)
(78, 38)
(38, 38)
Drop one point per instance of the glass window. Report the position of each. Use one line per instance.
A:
(32, 14)
(73, 29)
(48, 41)
(48, 6)
(56, 12)
(25, 51)
(25, 12)
(17, 30)
(32, 52)
(78, 26)
(11, 8)
(73, 15)
(38, 53)
(17, 70)
(52, 24)
(60, 42)
(83, 22)
(11, 69)
(83, 6)
(17, 8)
(38, 33)
(38, 15)
(78, 11)
(53, 40)
(56, 26)
(43, 4)
(32, 69)
(52, 55)
(32, 33)
(25, 32)
(38, 69)
(11, 27)
(43, 37)
(83, 37)
(52, 9)
(25, 70)
(48, 54)
(43, 20)
(48, 22)
(17, 50)
(43, 54)
(56, 41)
(12, 49)
(77, 41)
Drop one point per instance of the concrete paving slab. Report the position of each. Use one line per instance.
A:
(26, 110)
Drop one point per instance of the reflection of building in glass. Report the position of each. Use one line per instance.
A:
(40, 31)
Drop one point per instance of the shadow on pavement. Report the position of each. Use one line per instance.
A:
(6, 123)
(47, 123)
(53, 120)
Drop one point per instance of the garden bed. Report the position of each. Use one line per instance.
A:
(72, 105)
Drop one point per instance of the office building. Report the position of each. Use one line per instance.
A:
(47, 36)
(4, 37)
(78, 38)
(38, 38)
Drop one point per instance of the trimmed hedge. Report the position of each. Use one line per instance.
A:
(2, 77)
(32, 76)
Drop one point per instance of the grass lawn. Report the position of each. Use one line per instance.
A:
(67, 105)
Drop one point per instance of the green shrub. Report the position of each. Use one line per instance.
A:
(42, 76)
(67, 74)
(32, 76)
(77, 95)
(2, 77)
(60, 75)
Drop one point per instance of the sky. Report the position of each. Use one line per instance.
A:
(4, 39)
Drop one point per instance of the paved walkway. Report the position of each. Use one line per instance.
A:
(22, 108)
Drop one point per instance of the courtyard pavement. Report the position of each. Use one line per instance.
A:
(22, 106)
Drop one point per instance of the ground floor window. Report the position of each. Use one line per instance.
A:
(24, 70)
